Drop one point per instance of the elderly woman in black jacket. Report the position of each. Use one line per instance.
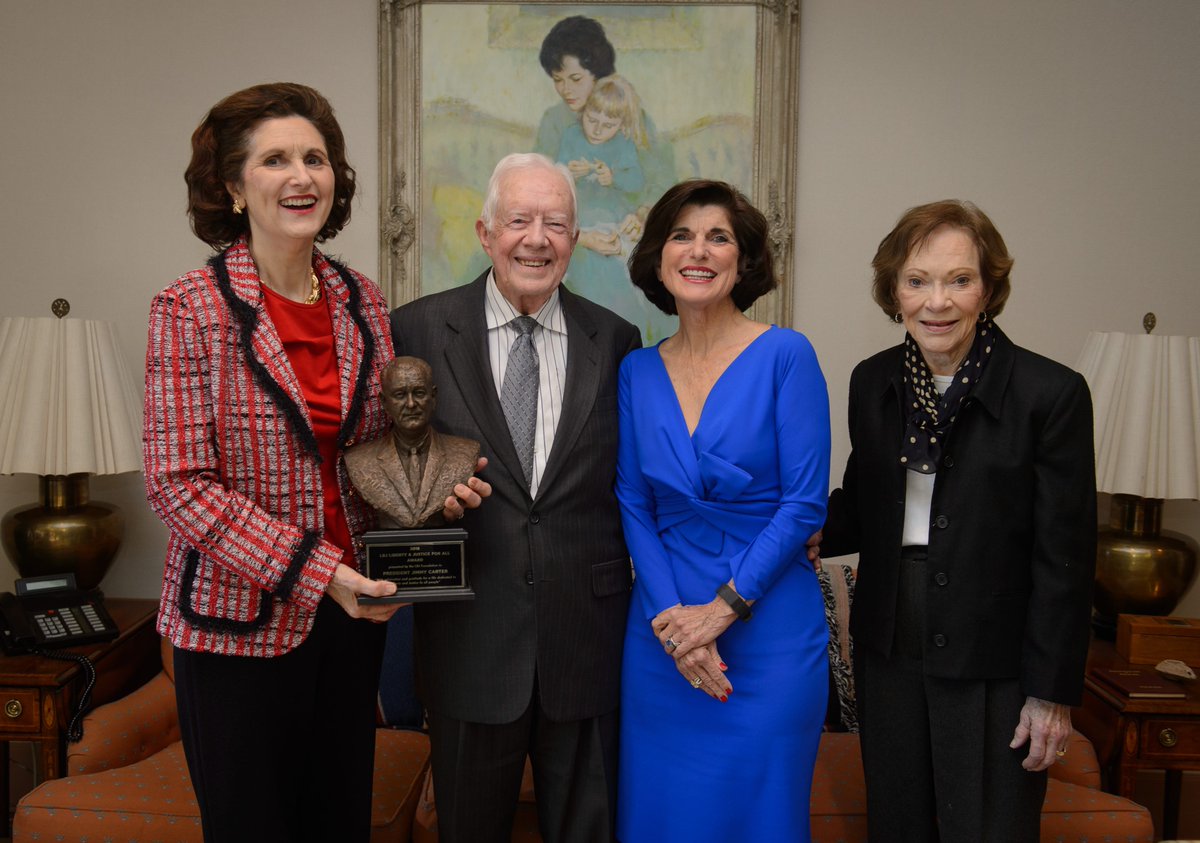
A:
(970, 496)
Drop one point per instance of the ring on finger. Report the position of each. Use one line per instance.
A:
(671, 645)
(697, 682)
(1060, 752)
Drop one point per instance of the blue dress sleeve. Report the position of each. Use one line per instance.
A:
(802, 440)
(651, 564)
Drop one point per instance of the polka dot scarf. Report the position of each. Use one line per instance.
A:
(930, 415)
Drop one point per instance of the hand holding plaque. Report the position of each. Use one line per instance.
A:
(407, 476)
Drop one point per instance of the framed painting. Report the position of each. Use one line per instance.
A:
(631, 96)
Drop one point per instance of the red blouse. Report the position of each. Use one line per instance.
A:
(306, 332)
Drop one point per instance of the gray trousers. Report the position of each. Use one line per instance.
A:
(935, 751)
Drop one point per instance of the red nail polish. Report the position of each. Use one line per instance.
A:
(724, 699)
(729, 690)
(724, 666)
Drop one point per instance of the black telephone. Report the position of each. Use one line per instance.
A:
(50, 612)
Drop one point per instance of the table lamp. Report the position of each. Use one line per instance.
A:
(1146, 400)
(68, 409)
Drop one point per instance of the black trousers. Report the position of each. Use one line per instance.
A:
(935, 751)
(477, 770)
(283, 749)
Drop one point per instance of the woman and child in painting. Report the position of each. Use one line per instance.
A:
(971, 619)
(620, 164)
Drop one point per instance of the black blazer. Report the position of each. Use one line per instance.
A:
(1012, 537)
(551, 576)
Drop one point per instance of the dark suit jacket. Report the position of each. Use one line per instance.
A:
(1012, 538)
(552, 575)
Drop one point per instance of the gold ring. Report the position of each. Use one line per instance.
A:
(697, 682)
(1060, 752)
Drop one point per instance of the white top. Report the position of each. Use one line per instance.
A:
(550, 342)
(918, 491)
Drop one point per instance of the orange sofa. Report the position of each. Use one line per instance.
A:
(127, 780)
(1075, 808)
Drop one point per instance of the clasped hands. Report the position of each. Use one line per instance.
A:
(689, 635)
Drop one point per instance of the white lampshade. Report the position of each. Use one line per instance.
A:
(67, 401)
(1146, 398)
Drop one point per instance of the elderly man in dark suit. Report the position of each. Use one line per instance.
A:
(531, 666)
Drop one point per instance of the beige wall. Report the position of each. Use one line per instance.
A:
(1073, 123)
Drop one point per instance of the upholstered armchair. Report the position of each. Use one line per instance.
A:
(127, 780)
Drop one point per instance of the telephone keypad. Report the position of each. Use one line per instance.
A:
(51, 625)
(66, 621)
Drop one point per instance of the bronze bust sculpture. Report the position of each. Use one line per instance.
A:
(408, 475)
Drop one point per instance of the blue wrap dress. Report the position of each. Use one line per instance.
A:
(737, 499)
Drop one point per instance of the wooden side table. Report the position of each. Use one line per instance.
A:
(38, 695)
(1131, 735)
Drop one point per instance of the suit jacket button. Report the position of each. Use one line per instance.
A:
(534, 518)
(940, 578)
(948, 461)
(939, 640)
(529, 577)
(941, 522)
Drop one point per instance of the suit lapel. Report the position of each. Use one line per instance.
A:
(433, 464)
(275, 370)
(467, 360)
(348, 341)
(579, 393)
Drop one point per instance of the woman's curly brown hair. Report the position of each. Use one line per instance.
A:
(220, 145)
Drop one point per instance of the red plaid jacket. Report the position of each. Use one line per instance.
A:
(231, 460)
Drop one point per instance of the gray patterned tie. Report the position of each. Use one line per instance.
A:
(518, 394)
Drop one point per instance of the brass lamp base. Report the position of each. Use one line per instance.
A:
(1141, 569)
(65, 533)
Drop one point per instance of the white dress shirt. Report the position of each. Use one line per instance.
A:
(918, 493)
(550, 342)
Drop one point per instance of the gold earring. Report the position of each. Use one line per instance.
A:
(237, 206)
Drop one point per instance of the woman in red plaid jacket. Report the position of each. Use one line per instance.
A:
(261, 367)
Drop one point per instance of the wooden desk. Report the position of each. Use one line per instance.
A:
(38, 695)
(1131, 735)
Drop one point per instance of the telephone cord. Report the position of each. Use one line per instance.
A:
(75, 727)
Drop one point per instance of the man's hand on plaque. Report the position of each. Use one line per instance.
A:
(348, 585)
(468, 495)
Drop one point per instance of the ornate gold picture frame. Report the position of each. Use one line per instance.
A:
(461, 85)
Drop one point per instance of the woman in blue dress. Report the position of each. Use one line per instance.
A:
(722, 476)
